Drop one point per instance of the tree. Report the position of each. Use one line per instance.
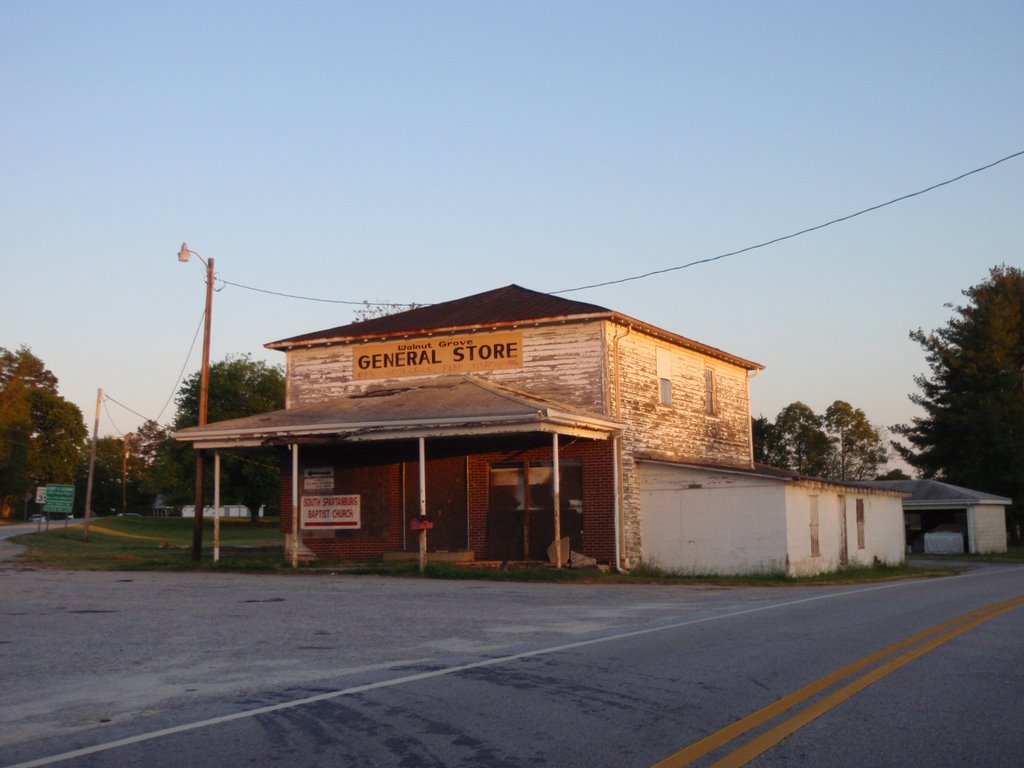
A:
(765, 440)
(372, 310)
(58, 437)
(41, 434)
(858, 448)
(841, 445)
(108, 486)
(797, 441)
(972, 430)
(239, 386)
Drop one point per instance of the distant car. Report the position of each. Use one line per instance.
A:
(128, 514)
(37, 518)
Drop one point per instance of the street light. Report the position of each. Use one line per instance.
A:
(204, 396)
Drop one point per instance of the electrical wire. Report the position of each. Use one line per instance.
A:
(790, 236)
(111, 418)
(389, 305)
(181, 374)
(108, 397)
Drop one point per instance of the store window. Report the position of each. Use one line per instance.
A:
(521, 510)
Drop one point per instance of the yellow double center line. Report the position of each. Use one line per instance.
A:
(924, 642)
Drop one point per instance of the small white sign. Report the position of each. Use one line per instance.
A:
(318, 479)
(41, 494)
(334, 511)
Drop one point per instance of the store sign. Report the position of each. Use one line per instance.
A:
(330, 512)
(447, 354)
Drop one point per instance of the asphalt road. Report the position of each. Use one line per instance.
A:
(156, 669)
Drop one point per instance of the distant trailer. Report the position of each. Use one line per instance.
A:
(227, 510)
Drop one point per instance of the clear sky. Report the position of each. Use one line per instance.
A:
(424, 151)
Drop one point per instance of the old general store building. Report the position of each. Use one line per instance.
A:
(509, 415)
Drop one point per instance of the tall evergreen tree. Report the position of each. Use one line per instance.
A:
(972, 430)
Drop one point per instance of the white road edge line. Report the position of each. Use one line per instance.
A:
(185, 727)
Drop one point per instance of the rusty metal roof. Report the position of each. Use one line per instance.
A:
(441, 406)
(500, 306)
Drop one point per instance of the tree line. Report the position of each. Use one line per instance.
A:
(841, 444)
(43, 440)
(970, 431)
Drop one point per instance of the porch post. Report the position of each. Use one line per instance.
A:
(295, 505)
(423, 503)
(556, 491)
(216, 506)
(617, 490)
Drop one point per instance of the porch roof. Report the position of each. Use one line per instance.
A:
(443, 406)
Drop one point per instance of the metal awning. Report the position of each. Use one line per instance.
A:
(443, 406)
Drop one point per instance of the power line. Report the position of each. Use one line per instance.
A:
(389, 305)
(174, 389)
(181, 374)
(790, 236)
(116, 402)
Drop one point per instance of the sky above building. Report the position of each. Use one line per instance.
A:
(420, 152)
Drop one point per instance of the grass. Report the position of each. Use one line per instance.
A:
(140, 543)
(156, 544)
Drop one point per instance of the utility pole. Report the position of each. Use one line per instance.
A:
(92, 466)
(204, 397)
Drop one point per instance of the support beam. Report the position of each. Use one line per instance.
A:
(216, 506)
(295, 505)
(556, 492)
(423, 504)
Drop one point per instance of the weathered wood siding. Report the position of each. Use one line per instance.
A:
(561, 362)
(679, 431)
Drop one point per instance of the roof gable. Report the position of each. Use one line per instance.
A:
(510, 304)
(935, 491)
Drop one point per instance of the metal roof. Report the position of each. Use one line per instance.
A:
(768, 472)
(501, 307)
(432, 407)
(933, 493)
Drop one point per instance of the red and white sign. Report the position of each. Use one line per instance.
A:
(334, 511)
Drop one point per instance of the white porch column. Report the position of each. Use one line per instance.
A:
(216, 506)
(295, 505)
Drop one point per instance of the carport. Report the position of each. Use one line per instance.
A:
(941, 508)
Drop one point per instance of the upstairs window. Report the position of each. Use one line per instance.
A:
(710, 395)
(664, 364)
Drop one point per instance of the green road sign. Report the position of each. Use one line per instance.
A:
(59, 498)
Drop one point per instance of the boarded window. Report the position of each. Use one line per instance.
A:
(710, 406)
(665, 391)
(664, 362)
(860, 523)
(815, 544)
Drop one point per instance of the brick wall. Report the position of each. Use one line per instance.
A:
(596, 458)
